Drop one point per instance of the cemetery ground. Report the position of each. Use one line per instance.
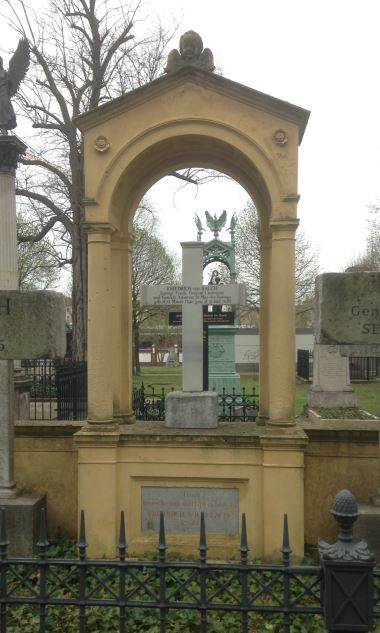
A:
(161, 377)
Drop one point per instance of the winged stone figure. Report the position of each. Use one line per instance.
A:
(10, 81)
(216, 224)
(199, 226)
(232, 227)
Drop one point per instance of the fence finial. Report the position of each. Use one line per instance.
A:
(202, 540)
(161, 539)
(244, 549)
(345, 512)
(82, 545)
(286, 549)
(43, 543)
(122, 545)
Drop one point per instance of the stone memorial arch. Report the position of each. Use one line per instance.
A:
(188, 117)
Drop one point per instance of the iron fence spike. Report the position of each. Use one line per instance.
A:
(82, 545)
(286, 549)
(202, 538)
(244, 549)
(162, 538)
(43, 542)
(122, 545)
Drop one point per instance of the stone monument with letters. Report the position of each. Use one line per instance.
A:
(192, 407)
(348, 316)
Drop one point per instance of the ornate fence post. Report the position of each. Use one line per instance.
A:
(347, 568)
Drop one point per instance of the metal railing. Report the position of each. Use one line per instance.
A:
(71, 385)
(304, 364)
(366, 368)
(132, 595)
(58, 389)
(149, 404)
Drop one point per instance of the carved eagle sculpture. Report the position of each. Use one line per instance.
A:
(10, 82)
(216, 224)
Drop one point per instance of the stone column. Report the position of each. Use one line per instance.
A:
(10, 149)
(121, 256)
(265, 263)
(99, 353)
(282, 323)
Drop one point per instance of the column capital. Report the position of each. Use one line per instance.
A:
(11, 147)
(99, 231)
(284, 229)
(122, 242)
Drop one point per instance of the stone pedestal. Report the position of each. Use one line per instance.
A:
(331, 379)
(23, 520)
(146, 468)
(221, 359)
(186, 410)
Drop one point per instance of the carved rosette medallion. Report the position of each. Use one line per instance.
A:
(216, 350)
(102, 144)
(280, 137)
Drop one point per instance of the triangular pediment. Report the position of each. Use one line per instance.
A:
(206, 80)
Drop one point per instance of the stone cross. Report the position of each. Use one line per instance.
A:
(192, 295)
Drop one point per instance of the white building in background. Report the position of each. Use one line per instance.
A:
(247, 342)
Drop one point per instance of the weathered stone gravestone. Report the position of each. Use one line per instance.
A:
(348, 315)
(348, 312)
(331, 379)
(347, 323)
(32, 325)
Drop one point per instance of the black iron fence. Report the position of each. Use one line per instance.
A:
(304, 364)
(149, 404)
(162, 595)
(71, 385)
(58, 389)
(366, 368)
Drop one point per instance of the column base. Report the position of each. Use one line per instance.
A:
(101, 426)
(125, 418)
(281, 423)
(8, 492)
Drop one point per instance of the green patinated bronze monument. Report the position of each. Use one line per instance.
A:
(219, 336)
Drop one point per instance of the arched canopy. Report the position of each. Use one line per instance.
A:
(191, 118)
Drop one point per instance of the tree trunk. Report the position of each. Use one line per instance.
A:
(79, 291)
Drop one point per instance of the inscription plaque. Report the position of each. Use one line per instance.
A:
(193, 295)
(183, 506)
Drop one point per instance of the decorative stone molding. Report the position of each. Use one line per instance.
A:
(10, 150)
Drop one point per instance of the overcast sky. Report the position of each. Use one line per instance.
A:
(322, 55)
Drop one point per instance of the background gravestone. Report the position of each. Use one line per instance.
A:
(348, 315)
